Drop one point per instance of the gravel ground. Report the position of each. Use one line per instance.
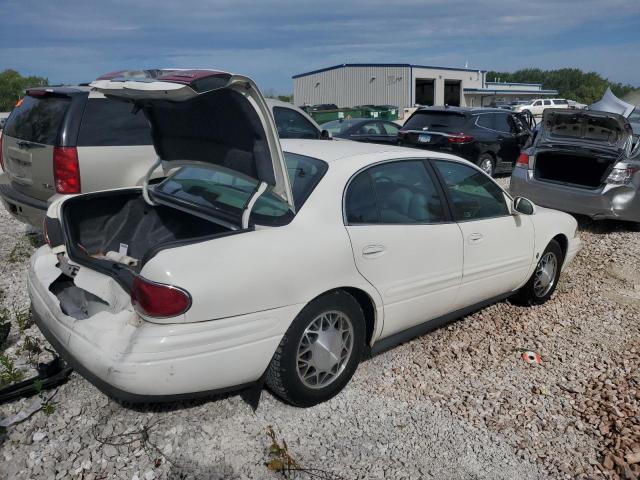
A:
(456, 403)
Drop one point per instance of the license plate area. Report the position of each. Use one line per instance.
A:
(424, 138)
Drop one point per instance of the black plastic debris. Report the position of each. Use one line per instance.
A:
(50, 374)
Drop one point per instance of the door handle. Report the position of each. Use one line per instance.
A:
(475, 238)
(373, 251)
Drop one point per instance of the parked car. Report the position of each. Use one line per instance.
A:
(286, 261)
(490, 138)
(319, 107)
(583, 162)
(68, 140)
(363, 130)
(538, 105)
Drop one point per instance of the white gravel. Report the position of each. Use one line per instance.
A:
(456, 403)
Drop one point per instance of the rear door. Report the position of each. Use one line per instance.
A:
(498, 247)
(30, 134)
(508, 144)
(404, 243)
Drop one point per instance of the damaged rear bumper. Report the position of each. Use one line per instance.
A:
(136, 361)
(613, 202)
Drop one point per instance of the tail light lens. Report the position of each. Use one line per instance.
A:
(158, 300)
(66, 171)
(621, 176)
(460, 138)
(523, 160)
(1, 159)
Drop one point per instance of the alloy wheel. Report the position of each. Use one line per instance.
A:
(487, 166)
(545, 274)
(324, 349)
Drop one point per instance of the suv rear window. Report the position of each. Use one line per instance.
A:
(435, 120)
(108, 122)
(37, 119)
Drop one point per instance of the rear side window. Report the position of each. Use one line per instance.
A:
(502, 123)
(485, 120)
(291, 124)
(560, 102)
(37, 119)
(435, 120)
(399, 192)
(107, 123)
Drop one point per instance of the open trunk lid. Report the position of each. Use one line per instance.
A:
(601, 130)
(201, 117)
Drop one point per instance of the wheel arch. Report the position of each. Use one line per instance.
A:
(368, 305)
(563, 241)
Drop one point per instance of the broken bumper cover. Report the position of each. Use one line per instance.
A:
(613, 202)
(136, 361)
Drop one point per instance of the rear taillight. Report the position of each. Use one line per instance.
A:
(66, 171)
(621, 176)
(158, 300)
(1, 159)
(460, 138)
(523, 160)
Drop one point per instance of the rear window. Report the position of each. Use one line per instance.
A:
(37, 119)
(594, 128)
(224, 189)
(108, 122)
(435, 120)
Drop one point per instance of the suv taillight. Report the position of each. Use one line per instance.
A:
(66, 171)
(523, 160)
(460, 138)
(621, 176)
(158, 300)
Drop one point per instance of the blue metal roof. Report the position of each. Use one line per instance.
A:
(515, 83)
(409, 65)
(493, 91)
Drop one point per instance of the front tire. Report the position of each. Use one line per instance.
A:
(320, 351)
(544, 280)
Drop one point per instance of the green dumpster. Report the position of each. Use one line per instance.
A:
(324, 116)
(383, 112)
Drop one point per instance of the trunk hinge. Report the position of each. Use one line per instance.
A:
(254, 198)
(145, 182)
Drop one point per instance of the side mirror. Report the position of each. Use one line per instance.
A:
(325, 135)
(523, 206)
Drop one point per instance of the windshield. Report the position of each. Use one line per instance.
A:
(218, 188)
(336, 127)
(443, 121)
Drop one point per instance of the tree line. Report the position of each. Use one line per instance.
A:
(13, 85)
(571, 83)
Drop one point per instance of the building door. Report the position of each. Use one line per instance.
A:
(425, 91)
(452, 93)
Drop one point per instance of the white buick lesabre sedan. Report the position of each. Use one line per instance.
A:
(259, 260)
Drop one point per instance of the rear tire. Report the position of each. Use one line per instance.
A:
(544, 280)
(320, 351)
(487, 164)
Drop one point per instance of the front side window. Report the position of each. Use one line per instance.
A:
(399, 192)
(538, 103)
(291, 124)
(473, 194)
(218, 188)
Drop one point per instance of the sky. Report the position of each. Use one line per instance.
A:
(72, 41)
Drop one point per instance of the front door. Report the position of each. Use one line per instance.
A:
(404, 242)
(508, 142)
(498, 247)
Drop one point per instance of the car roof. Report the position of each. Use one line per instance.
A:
(460, 109)
(332, 150)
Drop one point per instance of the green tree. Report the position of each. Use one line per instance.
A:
(571, 83)
(13, 85)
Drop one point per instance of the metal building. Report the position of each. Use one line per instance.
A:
(404, 85)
